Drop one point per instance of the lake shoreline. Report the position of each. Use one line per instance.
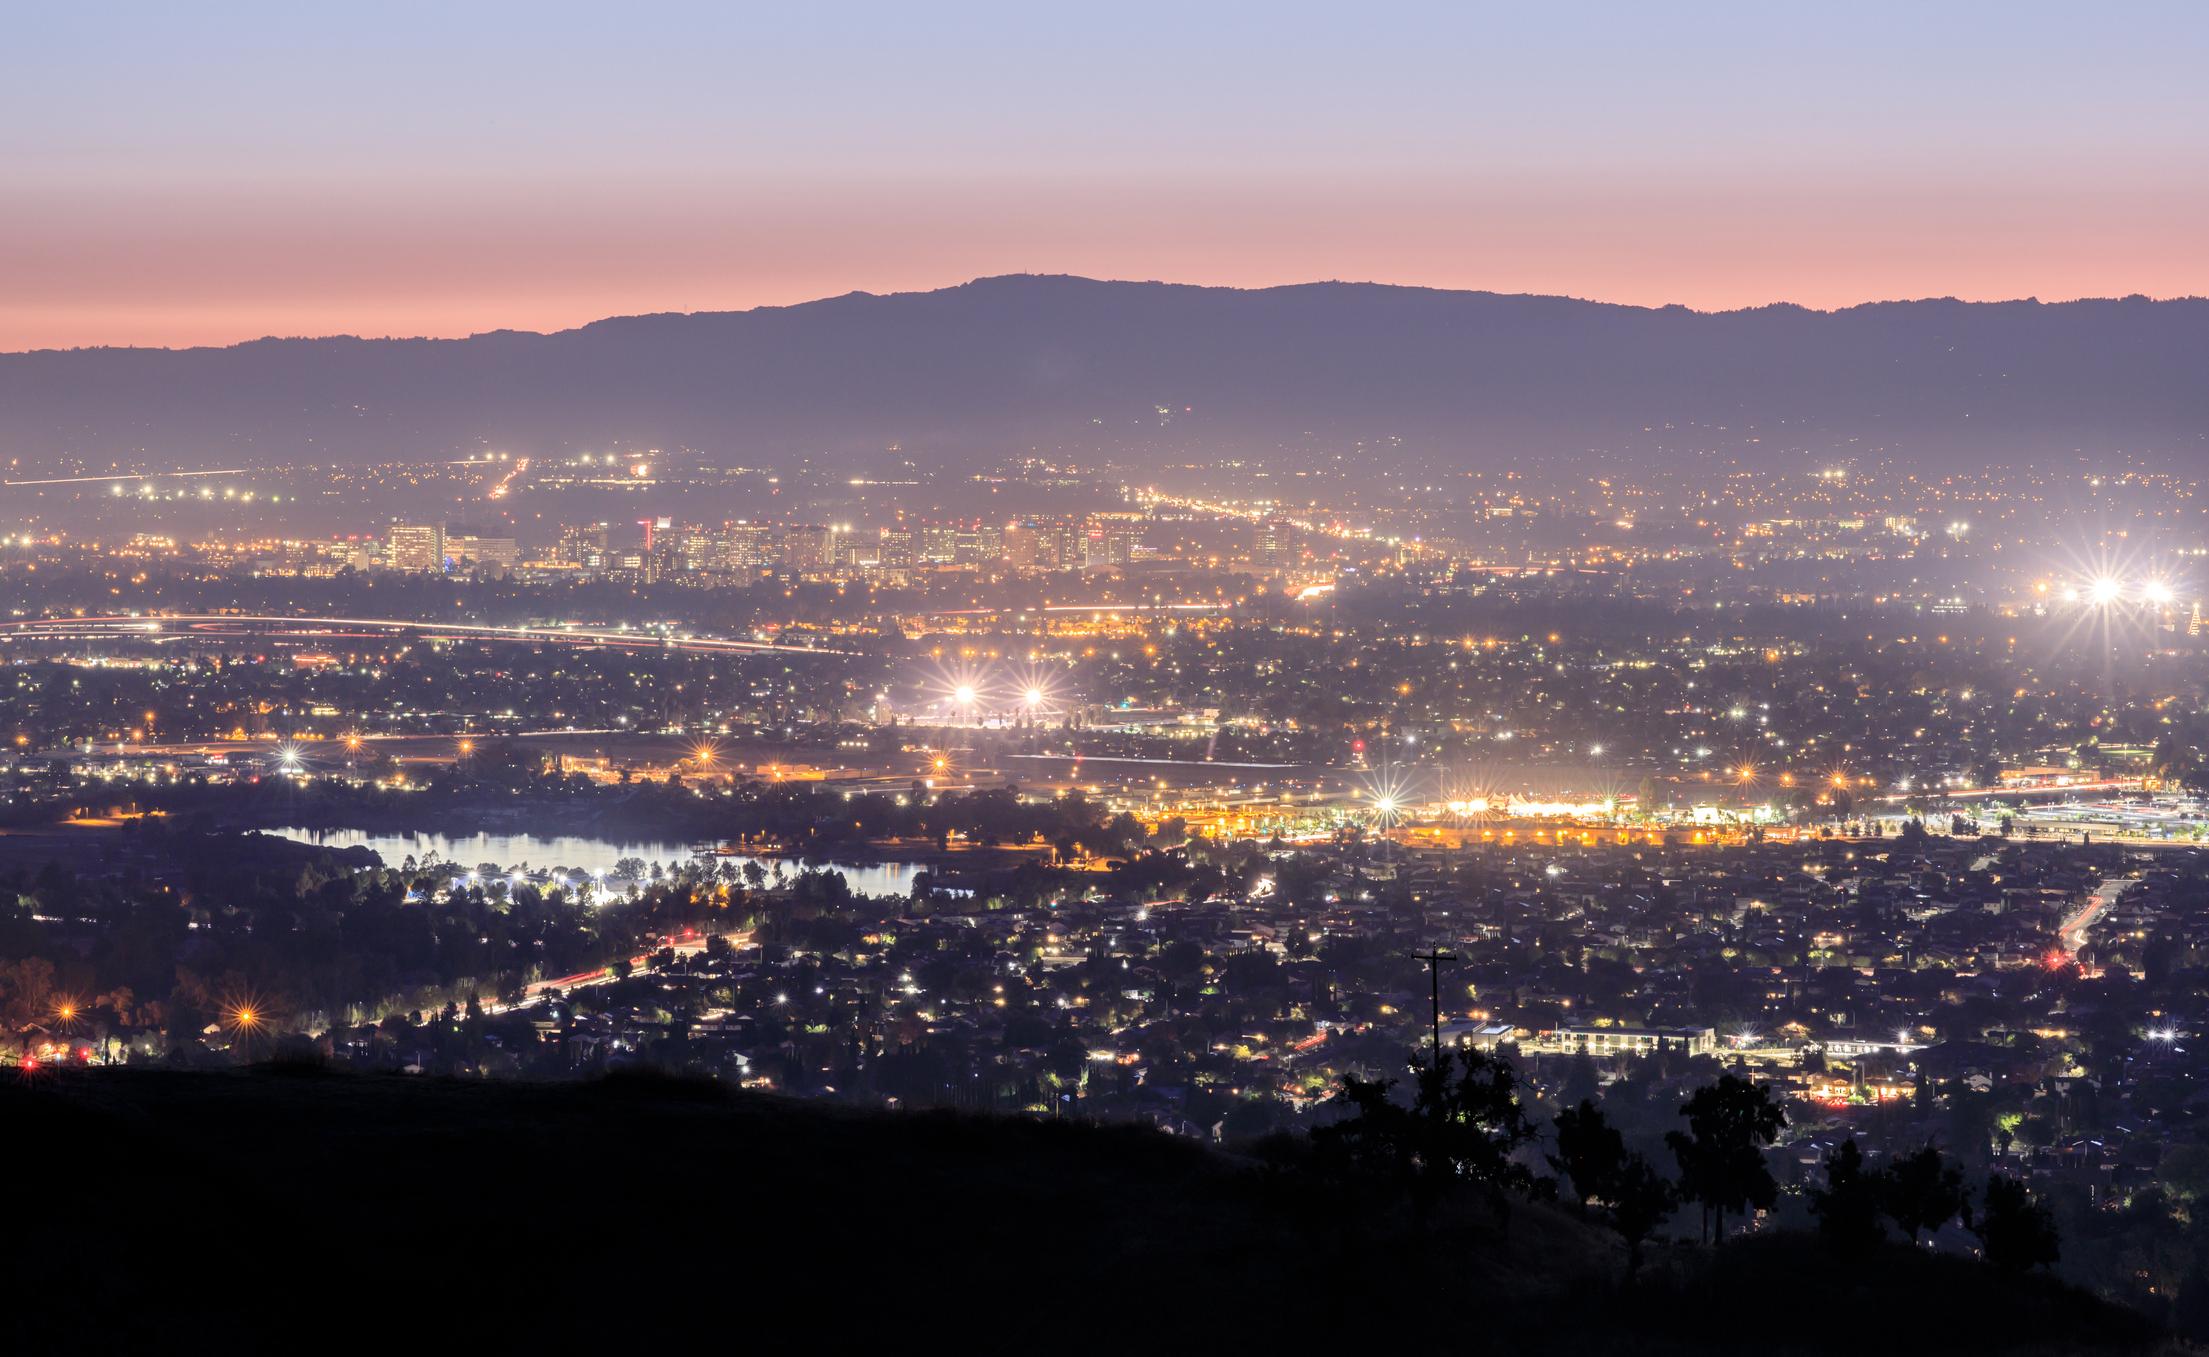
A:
(590, 855)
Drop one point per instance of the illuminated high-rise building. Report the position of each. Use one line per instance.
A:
(584, 544)
(489, 552)
(416, 546)
(745, 546)
(811, 547)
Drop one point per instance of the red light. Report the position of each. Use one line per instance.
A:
(1357, 746)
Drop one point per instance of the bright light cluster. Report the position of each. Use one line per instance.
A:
(971, 695)
(2108, 591)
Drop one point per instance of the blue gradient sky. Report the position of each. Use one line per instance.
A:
(188, 174)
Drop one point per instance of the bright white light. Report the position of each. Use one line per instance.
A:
(963, 695)
(1034, 697)
(2156, 592)
(1596, 750)
(2103, 592)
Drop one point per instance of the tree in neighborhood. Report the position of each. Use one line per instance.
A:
(1847, 1207)
(1721, 1154)
(1924, 1191)
(2015, 1232)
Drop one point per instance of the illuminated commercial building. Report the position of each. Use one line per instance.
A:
(416, 546)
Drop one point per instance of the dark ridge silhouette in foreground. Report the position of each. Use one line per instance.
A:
(238, 1210)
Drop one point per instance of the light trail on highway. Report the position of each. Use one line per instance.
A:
(220, 625)
(131, 476)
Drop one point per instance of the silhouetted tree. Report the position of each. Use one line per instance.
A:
(2190, 1314)
(1474, 1122)
(1375, 1139)
(1463, 1127)
(1847, 1207)
(2016, 1232)
(1923, 1191)
(1721, 1153)
(1641, 1199)
(1590, 1152)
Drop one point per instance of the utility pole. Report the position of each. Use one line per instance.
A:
(1434, 957)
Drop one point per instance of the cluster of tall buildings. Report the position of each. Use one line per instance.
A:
(653, 549)
(661, 549)
(446, 549)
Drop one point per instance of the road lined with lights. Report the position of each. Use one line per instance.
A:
(216, 626)
(131, 476)
(2074, 928)
(536, 991)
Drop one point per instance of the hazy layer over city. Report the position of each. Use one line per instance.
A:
(1634, 778)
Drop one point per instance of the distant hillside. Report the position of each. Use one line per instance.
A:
(244, 1210)
(1006, 363)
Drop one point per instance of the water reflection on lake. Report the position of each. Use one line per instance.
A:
(574, 853)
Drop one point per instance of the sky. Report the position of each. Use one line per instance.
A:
(199, 174)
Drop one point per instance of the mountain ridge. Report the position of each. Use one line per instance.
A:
(1021, 361)
(985, 280)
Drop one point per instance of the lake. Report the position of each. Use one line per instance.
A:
(574, 853)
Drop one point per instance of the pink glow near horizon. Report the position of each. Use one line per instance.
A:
(217, 272)
(182, 177)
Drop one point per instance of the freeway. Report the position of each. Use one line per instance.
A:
(2022, 792)
(218, 626)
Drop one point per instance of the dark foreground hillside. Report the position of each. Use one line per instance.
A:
(249, 1210)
